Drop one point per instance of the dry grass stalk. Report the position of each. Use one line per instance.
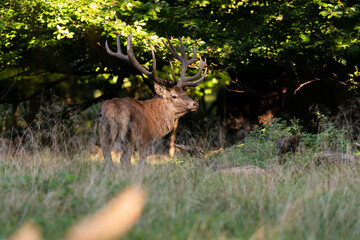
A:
(289, 214)
(28, 231)
(243, 170)
(113, 220)
(291, 209)
(258, 235)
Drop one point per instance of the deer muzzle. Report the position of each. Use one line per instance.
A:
(193, 106)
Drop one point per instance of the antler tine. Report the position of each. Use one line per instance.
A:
(161, 81)
(154, 61)
(182, 49)
(132, 58)
(168, 80)
(119, 53)
(171, 48)
(183, 60)
(194, 55)
(173, 74)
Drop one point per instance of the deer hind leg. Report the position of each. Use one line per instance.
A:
(143, 153)
(126, 156)
(123, 136)
(105, 140)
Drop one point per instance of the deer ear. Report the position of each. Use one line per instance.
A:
(159, 90)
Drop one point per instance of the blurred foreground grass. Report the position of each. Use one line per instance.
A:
(184, 201)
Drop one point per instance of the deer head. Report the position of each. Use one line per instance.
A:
(177, 101)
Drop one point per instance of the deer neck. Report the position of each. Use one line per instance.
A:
(161, 116)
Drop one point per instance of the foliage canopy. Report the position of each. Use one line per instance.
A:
(59, 44)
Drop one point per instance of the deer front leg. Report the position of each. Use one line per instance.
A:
(143, 153)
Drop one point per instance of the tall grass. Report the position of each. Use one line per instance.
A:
(56, 187)
(185, 202)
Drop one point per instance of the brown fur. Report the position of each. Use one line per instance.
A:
(130, 124)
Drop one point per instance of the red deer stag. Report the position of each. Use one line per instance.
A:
(129, 124)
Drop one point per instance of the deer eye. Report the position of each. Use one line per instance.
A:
(173, 96)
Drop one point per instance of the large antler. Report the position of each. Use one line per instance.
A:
(132, 59)
(184, 81)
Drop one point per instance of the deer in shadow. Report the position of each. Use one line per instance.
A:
(132, 125)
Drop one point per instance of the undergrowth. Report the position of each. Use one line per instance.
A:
(260, 148)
